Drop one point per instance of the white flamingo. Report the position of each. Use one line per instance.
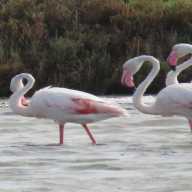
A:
(175, 99)
(60, 104)
(178, 51)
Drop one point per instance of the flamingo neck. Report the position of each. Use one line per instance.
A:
(16, 99)
(20, 84)
(172, 75)
(137, 97)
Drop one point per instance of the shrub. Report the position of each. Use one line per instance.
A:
(82, 44)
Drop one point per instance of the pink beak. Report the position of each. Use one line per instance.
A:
(127, 79)
(172, 59)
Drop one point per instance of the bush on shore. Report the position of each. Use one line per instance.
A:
(82, 44)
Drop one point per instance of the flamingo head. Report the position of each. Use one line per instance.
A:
(130, 68)
(178, 51)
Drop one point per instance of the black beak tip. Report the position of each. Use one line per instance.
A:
(173, 67)
(132, 89)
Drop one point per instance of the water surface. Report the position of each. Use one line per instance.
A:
(139, 153)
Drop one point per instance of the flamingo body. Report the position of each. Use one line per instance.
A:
(175, 99)
(66, 105)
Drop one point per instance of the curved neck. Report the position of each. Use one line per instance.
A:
(172, 75)
(20, 84)
(137, 97)
(15, 101)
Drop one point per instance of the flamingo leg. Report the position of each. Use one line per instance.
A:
(190, 124)
(89, 133)
(61, 134)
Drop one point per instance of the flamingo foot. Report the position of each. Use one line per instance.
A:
(190, 124)
(61, 134)
(89, 134)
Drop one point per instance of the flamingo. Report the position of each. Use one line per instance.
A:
(178, 51)
(60, 104)
(175, 99)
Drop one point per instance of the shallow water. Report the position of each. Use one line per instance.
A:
(139, 153)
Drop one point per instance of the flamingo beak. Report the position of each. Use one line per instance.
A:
(127, 79)
(172, 60)
(173, 67)
(24, 101)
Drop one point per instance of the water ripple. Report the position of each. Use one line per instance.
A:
(139, 153)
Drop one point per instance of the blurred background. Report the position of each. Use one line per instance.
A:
(82, 44)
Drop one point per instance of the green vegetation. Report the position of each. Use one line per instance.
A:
(82, 44)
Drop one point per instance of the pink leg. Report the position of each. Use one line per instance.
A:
(61, 134)
(89, 133)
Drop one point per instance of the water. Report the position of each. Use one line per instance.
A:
(139, 153)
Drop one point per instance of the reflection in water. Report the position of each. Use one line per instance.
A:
(138, 153)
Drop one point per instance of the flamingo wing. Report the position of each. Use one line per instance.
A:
(89, 106)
